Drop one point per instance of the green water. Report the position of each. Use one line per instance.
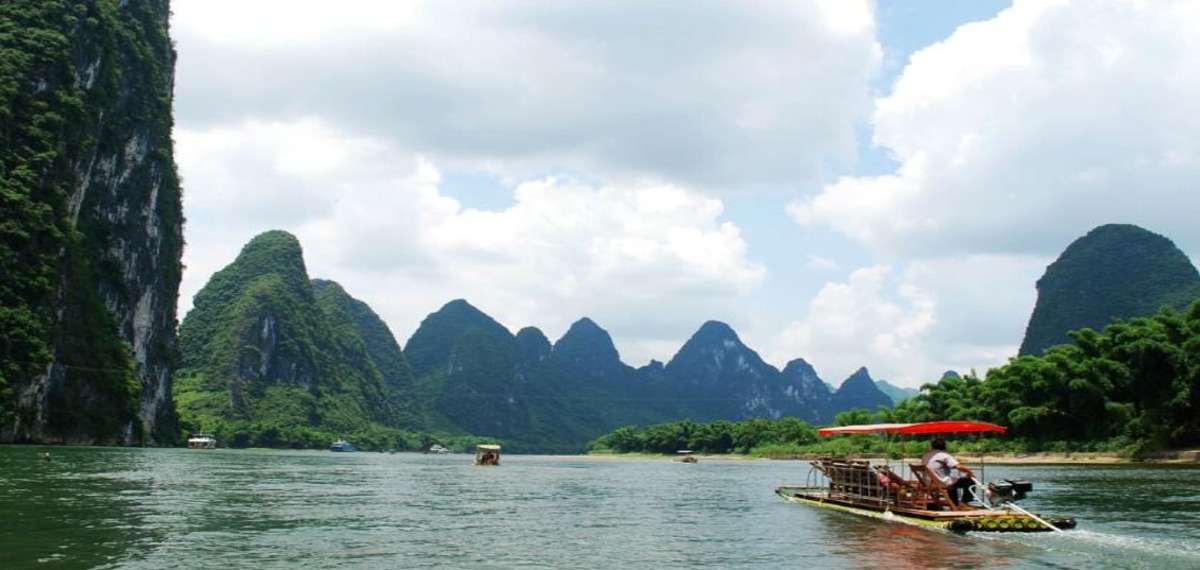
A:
(156, 508)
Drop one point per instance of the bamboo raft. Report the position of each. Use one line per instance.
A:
(873, 490)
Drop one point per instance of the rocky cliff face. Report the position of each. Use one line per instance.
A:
(87, 93)
(715, 364)
(1116, 271)
(723, 378)
(268, 353)
(810, 394)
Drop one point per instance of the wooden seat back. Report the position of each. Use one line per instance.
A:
(854, 479)
(931, 486)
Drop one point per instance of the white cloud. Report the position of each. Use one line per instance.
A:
(853, 323)
(705, 93)
(822, 264)
(1014, 137)
(909, 327)
(610, 122)
(1022, 133)
(615, 124)
(372, 218)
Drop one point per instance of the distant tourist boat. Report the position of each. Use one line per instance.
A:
(202, 441)
(342, 445)
(438, 450)
(685, 456)
(487, 454)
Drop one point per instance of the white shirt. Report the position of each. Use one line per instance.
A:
(942, 464)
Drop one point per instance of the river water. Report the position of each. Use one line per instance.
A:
(168, 508)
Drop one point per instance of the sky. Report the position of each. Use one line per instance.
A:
(850, 182)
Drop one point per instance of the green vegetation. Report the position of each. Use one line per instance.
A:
(78, 81)
(722, 436)
(1116, 271)
(1136, 384)
(1133, 389)
(272, 359)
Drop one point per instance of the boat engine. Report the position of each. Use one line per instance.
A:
(1009, 490)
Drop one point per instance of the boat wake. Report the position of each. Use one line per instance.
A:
(1088, 549)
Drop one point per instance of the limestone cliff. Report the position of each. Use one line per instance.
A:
(92, 236)
(1116, 271)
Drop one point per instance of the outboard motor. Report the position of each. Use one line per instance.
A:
(1009, 490)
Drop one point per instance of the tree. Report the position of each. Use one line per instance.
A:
(853, 416)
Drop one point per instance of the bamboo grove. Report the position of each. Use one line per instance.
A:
(1133, 387)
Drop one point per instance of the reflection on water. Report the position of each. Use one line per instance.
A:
(146, 508)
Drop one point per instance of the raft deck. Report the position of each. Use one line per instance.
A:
(859, 487)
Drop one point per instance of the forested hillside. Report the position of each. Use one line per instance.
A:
(1133, 386)
(1116, 271)
(271, 358)
(90, 222)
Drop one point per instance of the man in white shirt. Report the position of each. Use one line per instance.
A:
(943, 465)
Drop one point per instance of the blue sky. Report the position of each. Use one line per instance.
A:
(848, 182)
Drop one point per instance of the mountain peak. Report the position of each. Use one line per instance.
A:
(535, 347)
(716, 329)
(587, 345)
(431, 345)
(1116, 271)
(860, 391)
(273, 251)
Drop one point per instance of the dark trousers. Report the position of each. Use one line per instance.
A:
(960, 491)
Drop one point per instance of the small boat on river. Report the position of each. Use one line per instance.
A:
(342, 445)
(686, 456)
(875, 490)
(202, 441)
(487, 454)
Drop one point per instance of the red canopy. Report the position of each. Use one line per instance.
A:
(954, 426)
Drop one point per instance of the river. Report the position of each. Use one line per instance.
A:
(172, 508)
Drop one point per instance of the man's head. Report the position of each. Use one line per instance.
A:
(938, 444)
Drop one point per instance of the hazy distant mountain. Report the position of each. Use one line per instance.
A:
(1115, 271)
(479, 379)
(896, 393)
(553, 397)
(721, 378)
(859, 391)
(811, 394)
(718, 377)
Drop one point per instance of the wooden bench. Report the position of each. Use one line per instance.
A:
(908, 492)
(855, 479)
(930, 486)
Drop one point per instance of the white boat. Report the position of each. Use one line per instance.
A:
(342, 445)
(202, 441)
